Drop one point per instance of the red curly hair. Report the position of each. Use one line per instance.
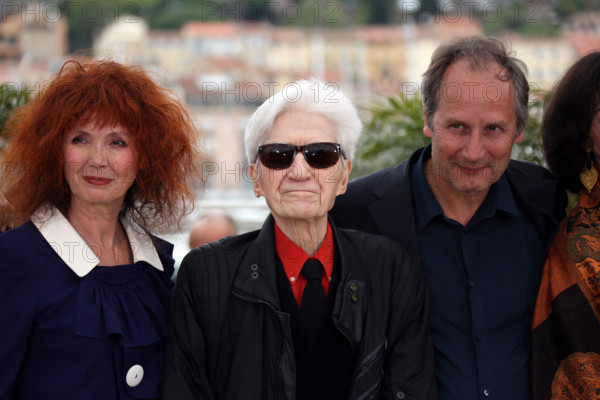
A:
(106, 93)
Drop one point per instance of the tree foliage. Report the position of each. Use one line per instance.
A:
(11, 99)
(87, 18)
(564, 8)
(394, 129)
(531, 149)
(524, 17)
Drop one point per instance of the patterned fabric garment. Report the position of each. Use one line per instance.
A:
(566, 324)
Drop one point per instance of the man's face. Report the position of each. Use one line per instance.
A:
(300, 193)
(474, 128)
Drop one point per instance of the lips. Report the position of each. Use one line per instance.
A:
(99, 181)
(299, 191)
(471, 171)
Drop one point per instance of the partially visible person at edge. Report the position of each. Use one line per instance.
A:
(480, 222)
(566, 323)
(300, 309)
(210, 227)
(101, 155)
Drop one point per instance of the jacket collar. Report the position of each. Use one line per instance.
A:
(541, 196)
(394, 193)
(75, 252)
(256, 279)
(532, 187)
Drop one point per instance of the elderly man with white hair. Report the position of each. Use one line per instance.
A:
(300, 309)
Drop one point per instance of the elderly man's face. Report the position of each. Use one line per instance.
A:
(300, 192)
(473, 130)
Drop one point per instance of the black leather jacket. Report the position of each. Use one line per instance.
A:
(229, 339)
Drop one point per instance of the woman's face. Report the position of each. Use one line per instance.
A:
(100, 165)
(300, 192)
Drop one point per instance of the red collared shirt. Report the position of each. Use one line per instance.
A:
(293, 258)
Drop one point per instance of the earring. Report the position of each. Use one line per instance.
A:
(589, 175)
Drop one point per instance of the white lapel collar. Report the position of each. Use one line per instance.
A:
(141, 244)
(73, 250)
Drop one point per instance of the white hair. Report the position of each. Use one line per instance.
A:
(308, 96)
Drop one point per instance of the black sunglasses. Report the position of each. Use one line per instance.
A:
(317, 155)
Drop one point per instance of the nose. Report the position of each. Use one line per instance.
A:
(99, 156)
(299, 170)
(474, 149)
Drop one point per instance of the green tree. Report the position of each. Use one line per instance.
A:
(531, 149)
(311, 13)
(526, 18)
(394, 129)
(564, 8)
(429, 10)
(167, 14)
(379, 11)
(88, 17)
(11, 99)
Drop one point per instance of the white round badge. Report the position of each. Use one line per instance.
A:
(134, 375)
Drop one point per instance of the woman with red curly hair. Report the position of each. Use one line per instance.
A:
(100, 156)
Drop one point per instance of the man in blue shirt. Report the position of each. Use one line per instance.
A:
(481, 223)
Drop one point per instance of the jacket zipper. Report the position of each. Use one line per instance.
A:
(372, 394)
(343, 332)
(371, 360)
(253, 300)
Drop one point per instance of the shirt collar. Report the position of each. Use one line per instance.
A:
(499, 197)
(293, 257)
(73, 250)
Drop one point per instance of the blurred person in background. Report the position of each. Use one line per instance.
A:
(210, 227)
(102, 154)
(566, 324)
(481, 222)
(300, 309)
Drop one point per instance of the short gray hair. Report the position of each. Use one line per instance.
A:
(308, 96)
(479, 51)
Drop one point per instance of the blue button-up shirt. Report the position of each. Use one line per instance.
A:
(483, 281)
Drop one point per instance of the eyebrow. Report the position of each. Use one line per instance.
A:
(452, 120)
(498, 123)
(110, 133)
